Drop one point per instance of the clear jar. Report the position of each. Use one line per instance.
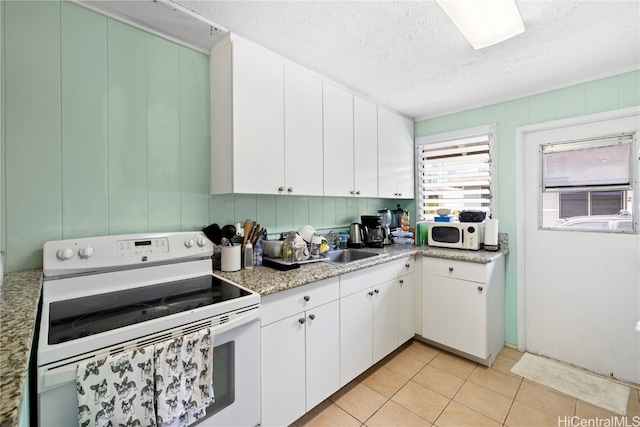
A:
(288, 247)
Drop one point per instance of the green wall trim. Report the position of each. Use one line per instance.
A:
(596, 96)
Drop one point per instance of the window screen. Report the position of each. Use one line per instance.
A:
(603, 162)
(588, 184)
(455, 173)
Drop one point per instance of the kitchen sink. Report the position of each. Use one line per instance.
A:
(346, 256)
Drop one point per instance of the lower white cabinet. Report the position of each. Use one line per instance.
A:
(463, 306)
(318, 337)
(375, 315)
(406, 305)
(300, 359)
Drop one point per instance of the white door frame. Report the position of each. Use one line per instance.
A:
(520, 136)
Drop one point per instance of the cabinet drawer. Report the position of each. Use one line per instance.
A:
(406, 265)
(286, 303)
(463, 270)
(362, 279)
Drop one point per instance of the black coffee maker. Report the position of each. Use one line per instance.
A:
(373, 231)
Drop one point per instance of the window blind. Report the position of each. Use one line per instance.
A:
(455, 174)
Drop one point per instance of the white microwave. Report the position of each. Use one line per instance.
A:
(457, 235)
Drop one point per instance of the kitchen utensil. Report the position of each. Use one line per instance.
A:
(228, 232)
(213, 233)
(356, 235)
(256, 235)
(247, 226)
(225, 242)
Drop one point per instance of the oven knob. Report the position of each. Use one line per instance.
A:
(86, 252)
(202, 242)
(63, 254)
(189, 243)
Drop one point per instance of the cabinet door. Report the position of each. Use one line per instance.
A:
(395, 155)
(302, 133)
(356, 333)
(406, 297)
(258, 121)
(454, 314)
(322, 355)
(385, 319)
(338, 141)
(406, 162)
(365, 142)
(283, 371)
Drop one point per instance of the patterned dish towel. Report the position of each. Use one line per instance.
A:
(117, 390)
(183, 378)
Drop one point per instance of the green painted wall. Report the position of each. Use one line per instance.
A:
(597, 96)
(107, 132)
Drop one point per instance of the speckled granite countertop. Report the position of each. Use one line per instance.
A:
(265, 280)
(20, 293)
(19, 298)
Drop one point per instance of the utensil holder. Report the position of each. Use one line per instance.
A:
(230, 258)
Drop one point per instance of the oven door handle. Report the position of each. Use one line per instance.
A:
(52, 377)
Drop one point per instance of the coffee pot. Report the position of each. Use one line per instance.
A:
(373, 232)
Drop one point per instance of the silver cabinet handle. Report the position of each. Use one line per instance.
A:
(312, 316)
(358, 192)
(370, 293)
(353, 191)
(377, 291)
(290, 190)
(306, 297)
(450, 268)
(401, 281)
(407, 265)
(302, 320)
(280, 189)
(480, 288)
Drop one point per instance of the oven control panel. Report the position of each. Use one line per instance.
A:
(137, 247)
(94, 254)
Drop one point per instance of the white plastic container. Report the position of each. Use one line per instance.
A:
(230, 258)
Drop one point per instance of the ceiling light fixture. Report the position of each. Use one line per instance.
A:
(484, 22)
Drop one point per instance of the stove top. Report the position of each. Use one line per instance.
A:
(80, 317)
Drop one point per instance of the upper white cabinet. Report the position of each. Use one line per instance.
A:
(338, 141)
(365, 148)
(247, 120)
(302, 132)
(277, 128)
(395, 156)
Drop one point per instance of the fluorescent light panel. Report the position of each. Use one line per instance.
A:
(484, 22)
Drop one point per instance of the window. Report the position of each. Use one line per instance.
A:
(588, 183)
(455, 170)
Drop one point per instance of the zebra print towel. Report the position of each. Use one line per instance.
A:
(117, 390)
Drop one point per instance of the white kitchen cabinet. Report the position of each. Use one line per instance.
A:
(365, 148)
(338, 141)
(247, 120)
(463, 306)
(303, 153)
(300, 357)
(370, 316)
(395, 156)
(406, 307)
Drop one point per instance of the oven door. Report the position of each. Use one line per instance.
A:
(236, 376)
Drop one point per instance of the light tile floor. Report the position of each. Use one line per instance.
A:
(419, 385)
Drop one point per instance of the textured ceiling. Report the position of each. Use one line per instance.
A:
(409, 56)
